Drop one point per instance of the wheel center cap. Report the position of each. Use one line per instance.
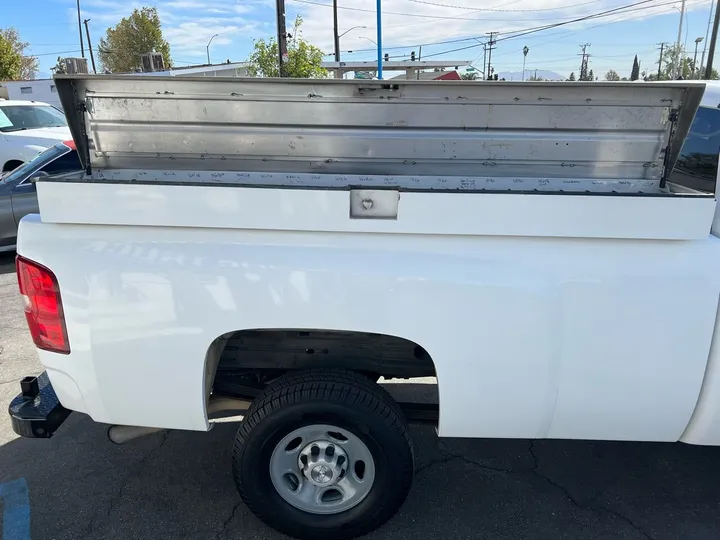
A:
(322, 474)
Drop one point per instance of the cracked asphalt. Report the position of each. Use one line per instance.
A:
(177, 485)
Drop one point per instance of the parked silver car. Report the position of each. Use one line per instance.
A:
(17, 191)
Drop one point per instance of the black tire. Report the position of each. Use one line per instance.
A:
(337, 397)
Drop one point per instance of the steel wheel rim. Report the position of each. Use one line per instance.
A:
(322, 469)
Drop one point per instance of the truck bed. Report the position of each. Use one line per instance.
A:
(216, 208)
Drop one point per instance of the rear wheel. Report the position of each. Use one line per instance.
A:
(323, 454)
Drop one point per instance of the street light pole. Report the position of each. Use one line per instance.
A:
(678, 69)
(697, 42)
(337, 45)
(208, 47)
(526, 50)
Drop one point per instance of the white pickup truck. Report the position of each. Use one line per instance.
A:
(26, 129)
(273, 248)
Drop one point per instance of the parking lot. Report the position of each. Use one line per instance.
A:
(178, 485)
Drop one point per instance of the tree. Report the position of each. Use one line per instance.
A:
(28, 64)
(10, 61)
(612, 75)
(635, 73)
(668, 69)
(60, 67)
(572, 76)
(123, 46)
(470, 76)
(304, 59)
(591, 76)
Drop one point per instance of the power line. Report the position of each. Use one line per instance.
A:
(424, 16)
(587, 17)
(521, 32)
(492, 10)
(613, 21)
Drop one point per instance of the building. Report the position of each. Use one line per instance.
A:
(228, 69)
(409, 69)
(429, 76)
(38, 90)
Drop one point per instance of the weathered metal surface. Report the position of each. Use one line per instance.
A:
(520, 135)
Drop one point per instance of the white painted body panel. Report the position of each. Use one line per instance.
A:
(489, 214)
(531, 336)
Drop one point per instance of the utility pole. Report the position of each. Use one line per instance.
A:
(526, 50)
(87, 32)
(584, 63)
(678, 68)
(707, 36)
(490, 50)
(82, 47)
(713, 41)
(378, 9)
(419, 58)
(485, 73)
(282, 37)
(662, 48)
(336, 37)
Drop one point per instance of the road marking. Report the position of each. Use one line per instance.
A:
(16, 512)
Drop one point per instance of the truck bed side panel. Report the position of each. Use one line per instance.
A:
(531, 337)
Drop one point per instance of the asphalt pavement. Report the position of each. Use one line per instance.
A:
(178, 485)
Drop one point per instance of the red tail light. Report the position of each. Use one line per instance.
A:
(43, 306)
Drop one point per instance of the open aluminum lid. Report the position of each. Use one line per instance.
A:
(608, 131)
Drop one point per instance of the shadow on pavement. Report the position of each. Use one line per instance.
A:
(7, 263)
(176, 485)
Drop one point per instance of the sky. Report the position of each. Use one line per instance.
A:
(446, 29)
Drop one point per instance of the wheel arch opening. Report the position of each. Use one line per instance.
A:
(242, 362)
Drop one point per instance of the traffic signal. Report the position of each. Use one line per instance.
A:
(412, 56)
(387, 57)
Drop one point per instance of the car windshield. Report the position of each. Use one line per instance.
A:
(39, 161)
(31, 116)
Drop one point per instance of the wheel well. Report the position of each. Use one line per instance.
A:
(247, 360)
(12, 164)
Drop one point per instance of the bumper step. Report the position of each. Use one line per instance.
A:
(36, 412)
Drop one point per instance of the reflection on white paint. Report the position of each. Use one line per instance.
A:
(221, 293)
(298, 279)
